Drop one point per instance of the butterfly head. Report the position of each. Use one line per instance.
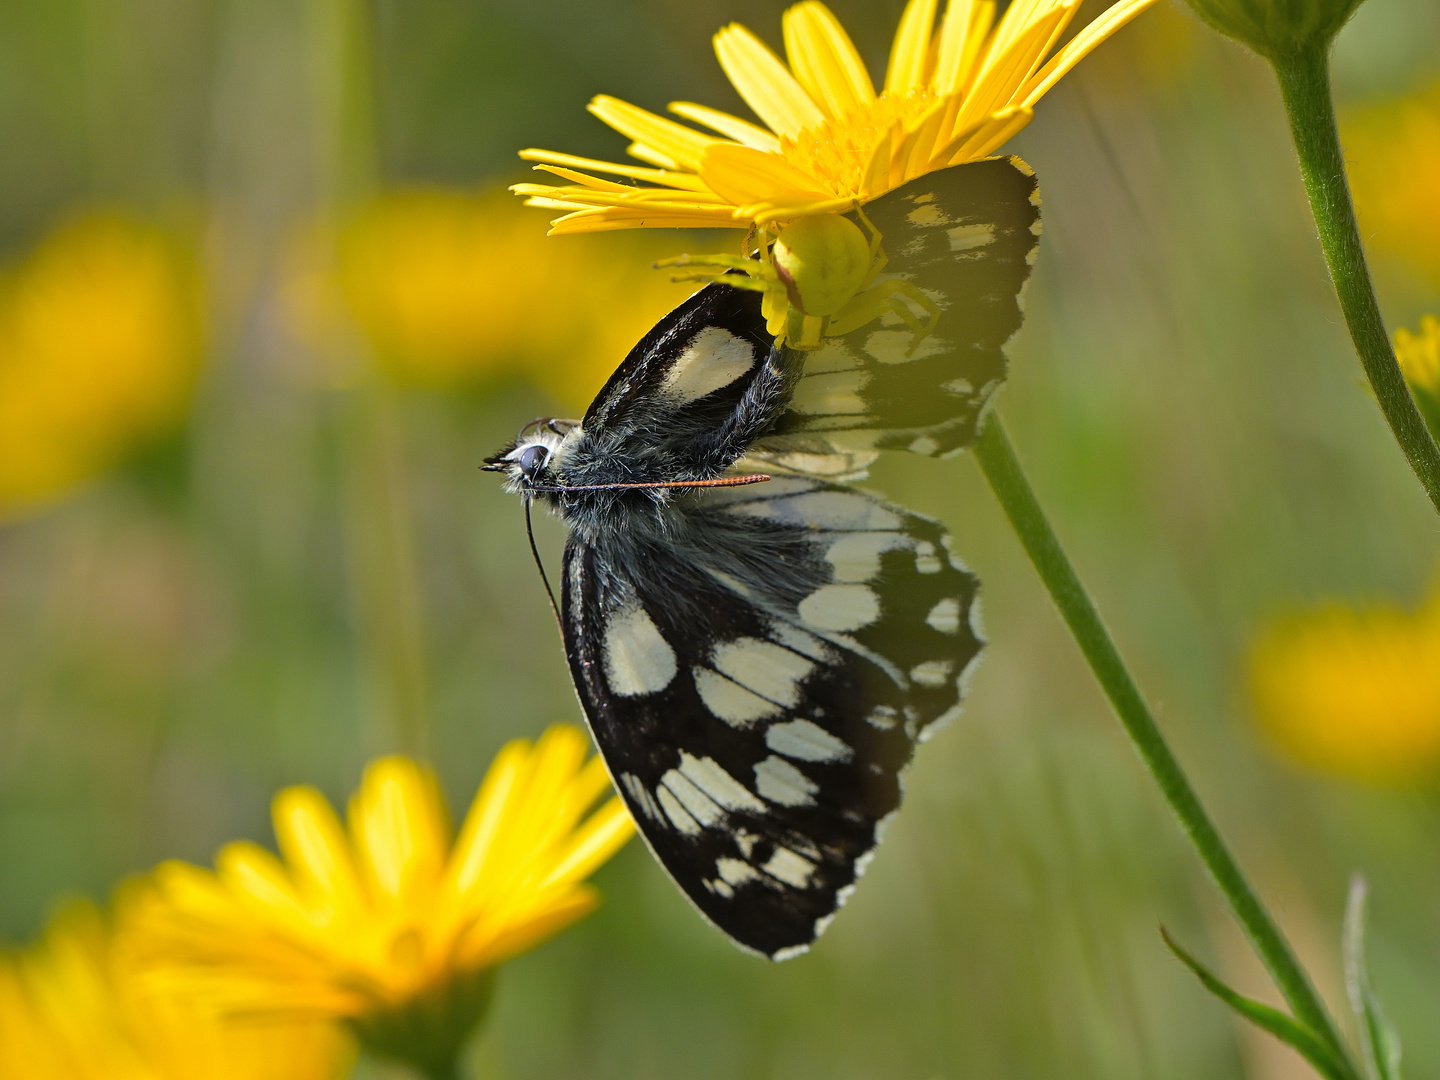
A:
(529, 462)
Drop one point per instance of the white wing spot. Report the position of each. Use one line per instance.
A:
(734, 871)
(945, 616)
(856, 557)
(697, 803)
(780, 782)
(840, 607)
(790, 868)
(677, 814)
(927, 559)
(792, 637)
(883, 717)
(924, 444)
(970, 237)
(842, 511)
(770, 670)
(893, 346)
(648, 806)
(721, 788)
(805, 741)
(638, 660)
(932, 672)
(835, 392)
(715, 359)
(729, 701)
(926, 216)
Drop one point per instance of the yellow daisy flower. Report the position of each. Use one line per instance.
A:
(99, 348)
(452, 288)
(1392, 152)
(390, 925)
(73, 1008)
(1354, 692)
(952, 94)
(1419, 355)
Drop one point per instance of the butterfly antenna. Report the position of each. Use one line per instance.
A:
(540, 565)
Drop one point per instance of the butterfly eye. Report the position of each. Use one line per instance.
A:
(531, 461)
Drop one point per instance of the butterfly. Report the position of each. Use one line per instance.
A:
(757, 644)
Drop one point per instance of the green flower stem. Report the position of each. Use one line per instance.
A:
(1305, 85)
(1002, 469)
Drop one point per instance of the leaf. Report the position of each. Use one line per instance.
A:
(1285, 1028)
(1379, 1041)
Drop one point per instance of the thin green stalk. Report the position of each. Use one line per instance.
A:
(1305, 85)
(1002, 469)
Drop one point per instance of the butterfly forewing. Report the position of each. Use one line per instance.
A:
(756, 681)
(965, 238)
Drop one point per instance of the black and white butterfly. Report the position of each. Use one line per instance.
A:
(757, 661)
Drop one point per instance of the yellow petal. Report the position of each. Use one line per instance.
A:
(824, 60)
(520, 936)
(987, 137)
(912, 45)
(314, 845)
(258, 880)
(1078, 47)
(612, 219)
(477, 836)
(1003, 74)
(745, 176)
(399, 827)
(962, 35)
(764, 82)
(742, 131)
(686, 181)
(674, 141)
(592, 844)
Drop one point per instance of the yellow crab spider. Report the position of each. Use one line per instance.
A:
(817, 278)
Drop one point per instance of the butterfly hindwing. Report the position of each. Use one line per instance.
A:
(965, 237)
(756, 680)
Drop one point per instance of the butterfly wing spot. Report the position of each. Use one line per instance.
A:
(718, 785)
(806, 741)
(827, 510)
(882, 717)
(837, 392)
(638, 659)
(714, 360)
(803, 642)
(932, 673)
(855, 557)
(780, 782)
(729, 701)
(678, 815)
(894, 347)
(927, 559)
(640, 795)
(840, 608)
(790, 868)
(734, 872)
(764, 668)
(924, 445)
(945, 616)
(970, 237)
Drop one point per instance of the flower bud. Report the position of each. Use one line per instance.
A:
(1277, 29)
(823, 259)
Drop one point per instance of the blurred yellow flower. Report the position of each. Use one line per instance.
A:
(389, 925)
(452, 288)
(1419, 355)
(830, 142)
(72, 1008)
(1393, 153)
(1354, 692)
(99, 347)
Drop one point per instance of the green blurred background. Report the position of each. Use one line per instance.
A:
(311, 571)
